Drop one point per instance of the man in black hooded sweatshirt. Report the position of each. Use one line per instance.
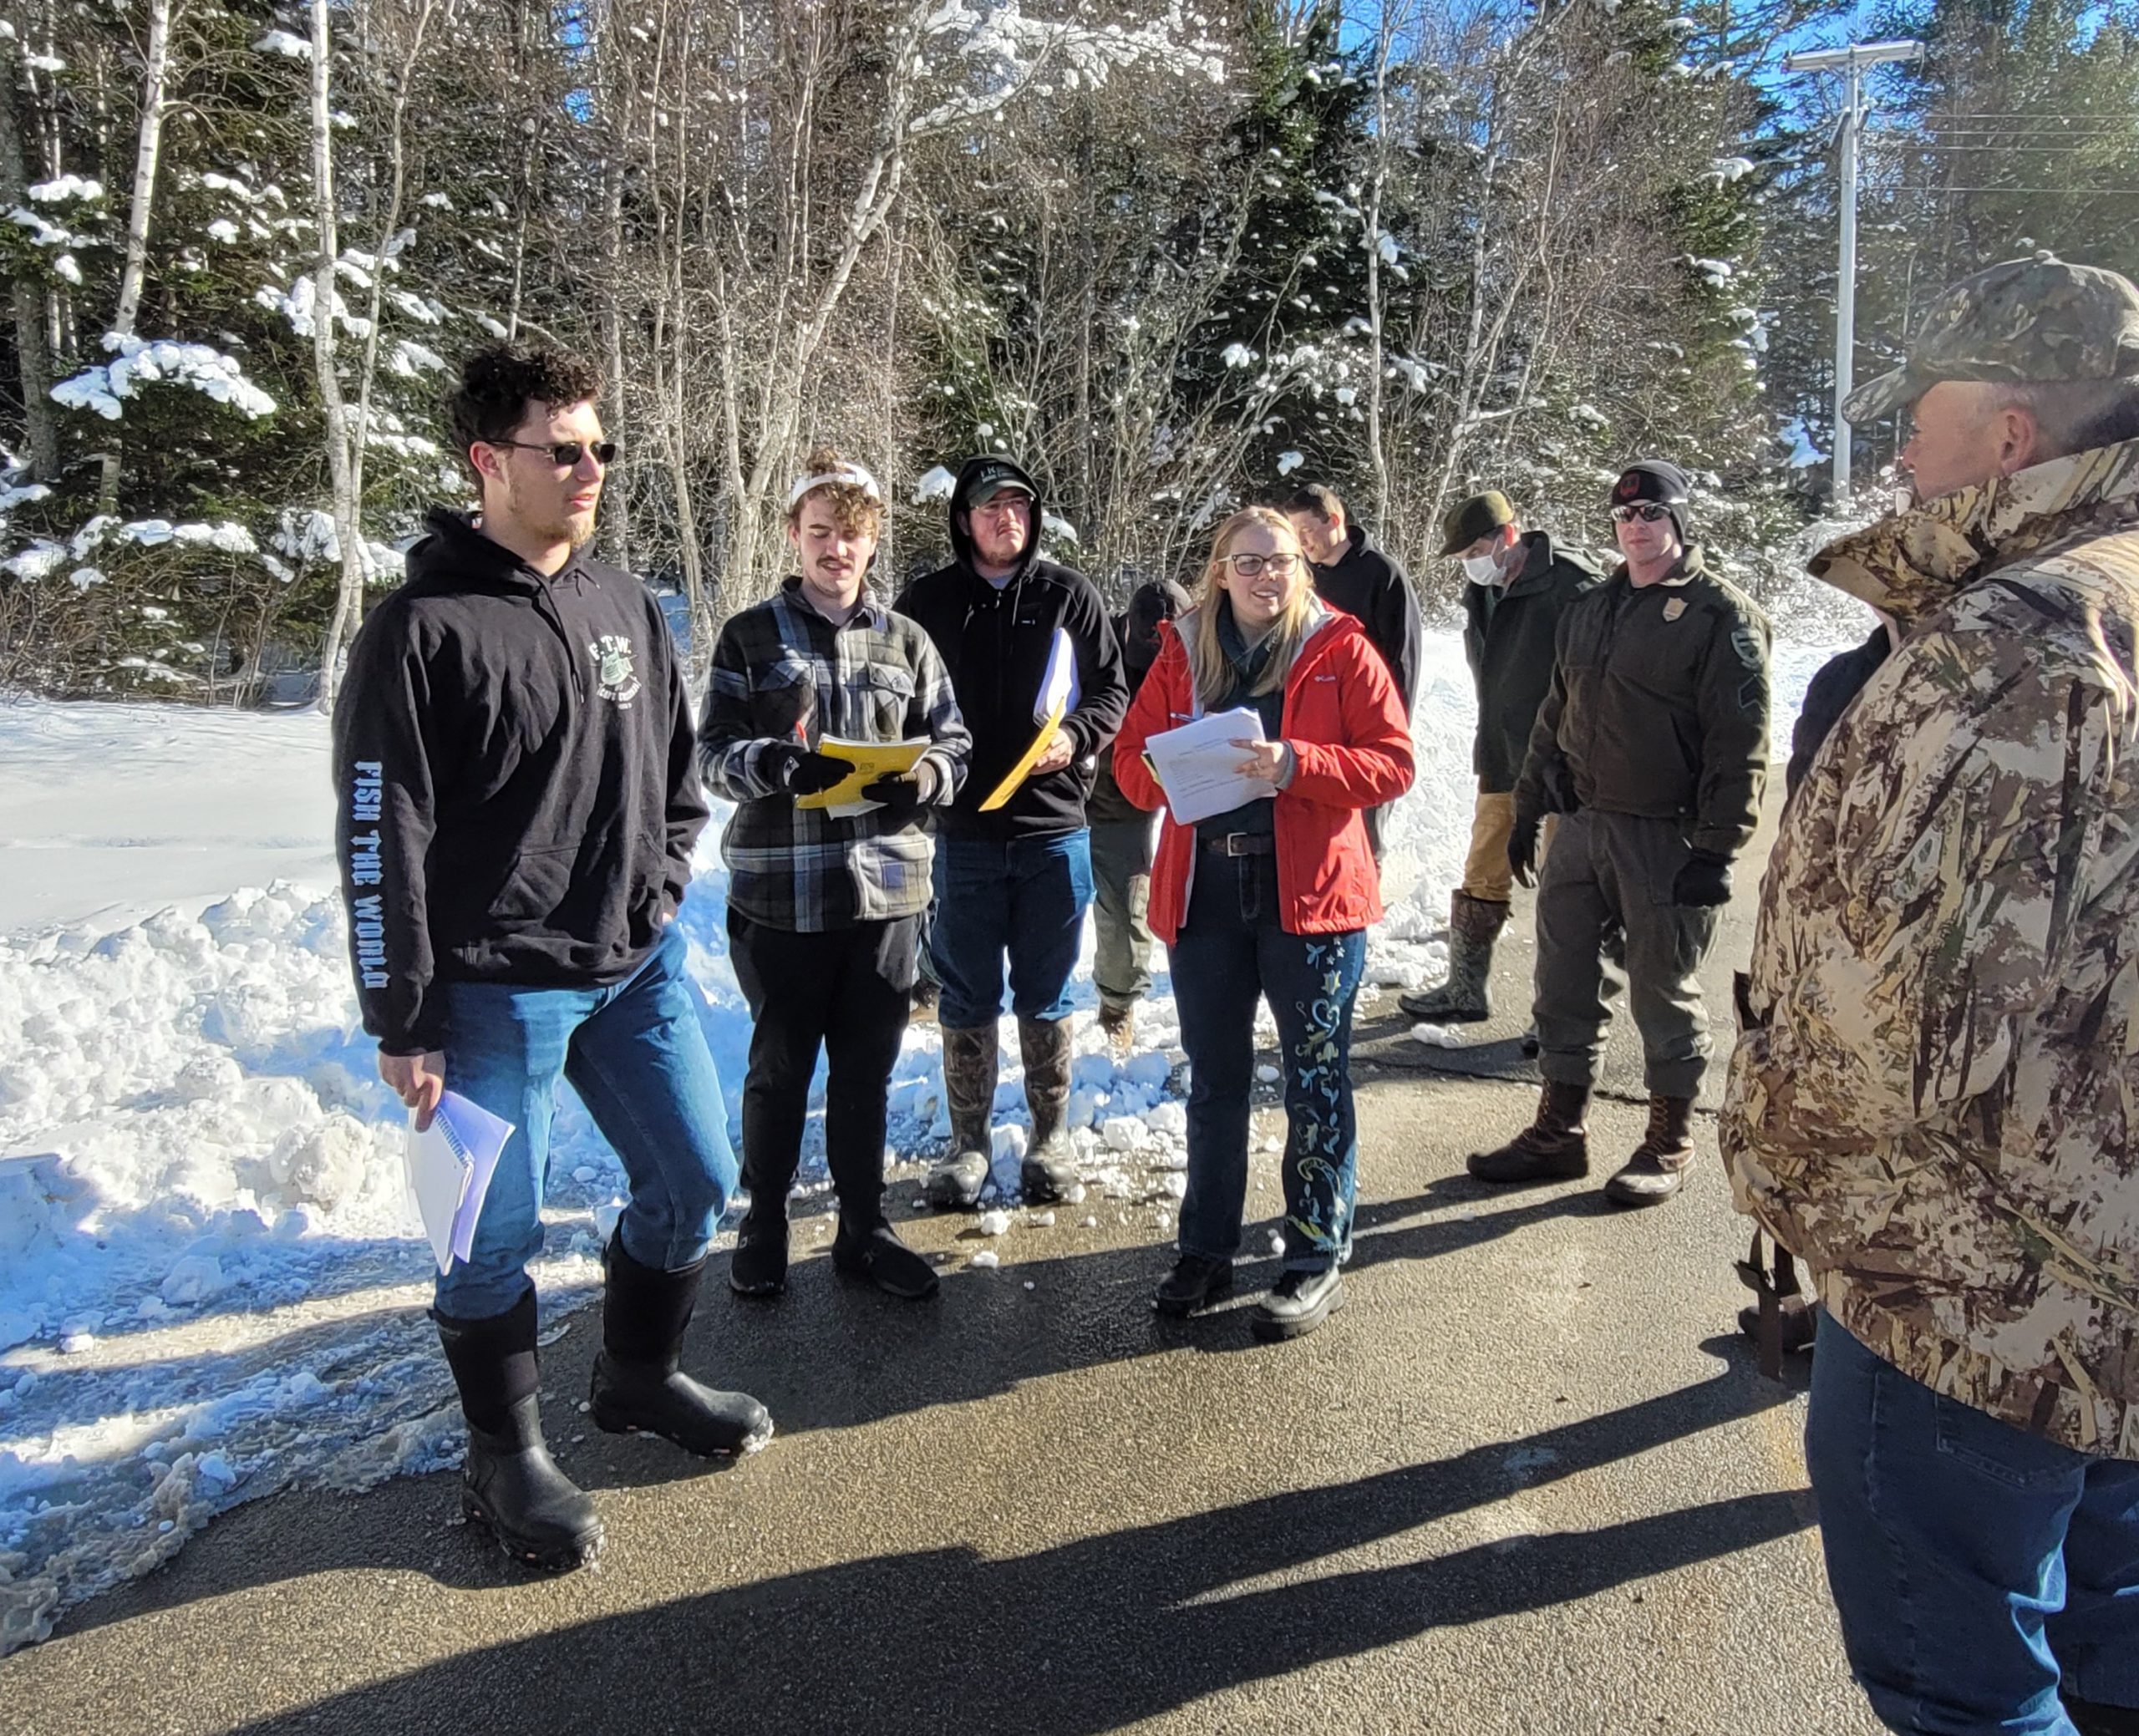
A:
(517, 798)
(1014, 879)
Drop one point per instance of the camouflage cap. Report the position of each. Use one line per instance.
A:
(2026, 321)
(1468, 521)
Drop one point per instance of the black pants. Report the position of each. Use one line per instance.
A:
(848, 991)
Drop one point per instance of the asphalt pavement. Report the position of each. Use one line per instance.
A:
(1528, 1481)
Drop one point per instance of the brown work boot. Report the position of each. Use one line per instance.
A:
(1555, 1147)
(1118, 1022)
(1658, 1166)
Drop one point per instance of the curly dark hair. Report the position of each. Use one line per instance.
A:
(498, 382)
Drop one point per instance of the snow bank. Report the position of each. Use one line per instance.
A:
(211, 1281)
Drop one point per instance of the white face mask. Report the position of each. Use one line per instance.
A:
(1482, 569)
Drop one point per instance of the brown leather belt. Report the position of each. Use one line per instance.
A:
(1242, 844)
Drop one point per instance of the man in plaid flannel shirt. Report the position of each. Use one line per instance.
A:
(824, 910)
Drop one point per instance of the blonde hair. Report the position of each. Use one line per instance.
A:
(1208, 666)
(853, 508)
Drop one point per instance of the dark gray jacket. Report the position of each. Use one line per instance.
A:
(1509, 638)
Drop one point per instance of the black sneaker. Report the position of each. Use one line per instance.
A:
(880, 1256)
(1195, 1283)
(1298, 1303)
(759, 1265)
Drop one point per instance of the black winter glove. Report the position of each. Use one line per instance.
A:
(799, 772)
(1522, 847)
(903, 794)
(1703, 883)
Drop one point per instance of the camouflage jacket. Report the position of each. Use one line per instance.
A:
(1935, 1103)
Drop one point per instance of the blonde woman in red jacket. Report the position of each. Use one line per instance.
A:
(1270, 900)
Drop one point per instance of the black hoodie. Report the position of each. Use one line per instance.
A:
(1365, 582)
(995, 642)
(516, 793)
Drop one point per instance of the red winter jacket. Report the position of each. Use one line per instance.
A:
(1344, 720)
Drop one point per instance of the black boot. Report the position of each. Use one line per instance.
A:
(1297, 1303)
(874, 1252)
(1195, 1283)
(1555, 1147)
(509, 1482)
(759, 1265)
(638, 1385)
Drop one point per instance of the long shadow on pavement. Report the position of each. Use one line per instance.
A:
(1098, 1633)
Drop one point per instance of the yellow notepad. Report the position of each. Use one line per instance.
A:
(871, 760)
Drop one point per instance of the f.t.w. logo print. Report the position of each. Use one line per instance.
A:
(617, 681)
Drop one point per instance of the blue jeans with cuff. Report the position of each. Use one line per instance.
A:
(1981, 1572)
(1025, 897)
(1231, 952)
(636, 1054)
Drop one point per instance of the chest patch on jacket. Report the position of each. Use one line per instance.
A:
(619, 682)
(1674, 608)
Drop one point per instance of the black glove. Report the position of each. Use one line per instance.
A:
(1522, 847)
(799, 772)
(1703, 883)
(903, 794)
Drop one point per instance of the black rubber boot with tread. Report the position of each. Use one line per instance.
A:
(508, 1483)
(1555, 1147)
(1194, 1283)
(878, 1254)
(758, 1268)
(638, 1385)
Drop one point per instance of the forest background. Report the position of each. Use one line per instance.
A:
(1172, 259)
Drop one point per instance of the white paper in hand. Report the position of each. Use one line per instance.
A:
(450, 1164)
(1199, 765)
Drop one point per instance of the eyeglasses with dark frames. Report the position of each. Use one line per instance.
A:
(1252, 566)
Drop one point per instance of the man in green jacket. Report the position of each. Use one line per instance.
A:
(1652, 744)
(1519, 584)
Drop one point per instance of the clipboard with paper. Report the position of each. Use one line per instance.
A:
(871, 760)
(1059, 693)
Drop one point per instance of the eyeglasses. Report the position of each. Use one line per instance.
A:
(1648, 511)
(565, 454)
(1253, 566)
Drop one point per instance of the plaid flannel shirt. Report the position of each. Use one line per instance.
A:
(784, 675)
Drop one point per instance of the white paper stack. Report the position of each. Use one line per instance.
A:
(1198, 764)
(450, 1164)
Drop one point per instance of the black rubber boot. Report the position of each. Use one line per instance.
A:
(1049, 1169)
(1473, 924)
(508, 1481)
(969, 1067)
(874, 1252)
(1555, 1147)
(638, 1386)
(1195, 1283)
(1298, 1303)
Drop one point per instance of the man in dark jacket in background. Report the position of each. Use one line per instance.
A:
(1014, 879)
(1653, 744)
(517, 799)
(1352, 575)
(1122, 836)
(1519, 584)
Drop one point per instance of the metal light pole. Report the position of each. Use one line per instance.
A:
(1850, 62)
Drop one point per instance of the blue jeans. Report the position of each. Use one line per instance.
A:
(1027, 898)
(636, 1055)
(1229, 952)
(1977, 1569)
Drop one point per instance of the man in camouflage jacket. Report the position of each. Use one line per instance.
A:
(1935, 1102)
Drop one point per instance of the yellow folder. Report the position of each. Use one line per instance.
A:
(1058, 698)
(871, 760)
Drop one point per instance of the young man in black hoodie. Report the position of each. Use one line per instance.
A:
(1352, 575)
(517, 801)
(1014, 880)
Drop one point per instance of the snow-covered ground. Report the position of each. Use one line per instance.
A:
(212, 1279)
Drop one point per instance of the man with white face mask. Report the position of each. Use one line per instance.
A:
(1519, 584)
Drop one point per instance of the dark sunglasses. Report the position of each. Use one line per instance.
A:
(1648, 511)
(565, 453)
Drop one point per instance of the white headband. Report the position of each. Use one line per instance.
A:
(851, 474)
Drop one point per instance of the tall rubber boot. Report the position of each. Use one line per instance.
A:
(969, 1067)
(638, 1384)
(1473, 926)
(1049, 1169)
(1555, 1147)
(508, 1483)
(1658, 1168)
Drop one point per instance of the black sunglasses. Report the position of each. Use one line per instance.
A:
(565, 453)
